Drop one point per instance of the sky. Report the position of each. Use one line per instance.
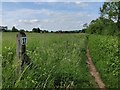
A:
(50, 16)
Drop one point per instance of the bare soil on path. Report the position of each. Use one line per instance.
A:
(94, 72)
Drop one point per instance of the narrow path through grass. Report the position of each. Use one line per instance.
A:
(94, 72)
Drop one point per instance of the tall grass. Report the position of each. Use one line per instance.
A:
(104, 52)
(58, 61)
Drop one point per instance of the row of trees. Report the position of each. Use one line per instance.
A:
(5, 29)
(38, 30)
(14, 29)
(73, 31)
(109, 21)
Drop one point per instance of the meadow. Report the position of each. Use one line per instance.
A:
(59, 61)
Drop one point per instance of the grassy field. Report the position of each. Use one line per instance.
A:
(59, 60)
(104, 52)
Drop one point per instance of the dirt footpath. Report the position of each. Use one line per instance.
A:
(94, 72)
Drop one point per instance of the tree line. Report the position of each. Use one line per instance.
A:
(38, 30)
(109, 21)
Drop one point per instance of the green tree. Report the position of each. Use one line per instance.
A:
(102, 26)
(109, 21)
(111, 11)
(96, 26)
(14, 29)
(37, 30)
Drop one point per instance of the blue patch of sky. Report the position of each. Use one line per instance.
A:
(54, 6)
(90, 8)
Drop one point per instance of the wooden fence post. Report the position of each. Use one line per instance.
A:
(20, 50)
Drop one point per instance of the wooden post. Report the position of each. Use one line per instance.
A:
(20, 50)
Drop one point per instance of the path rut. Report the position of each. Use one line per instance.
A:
(94, 72)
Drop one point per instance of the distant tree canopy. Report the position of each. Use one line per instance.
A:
(14, 29)
(37, 30)
(3, 28)
(73, 31)
(109, 21)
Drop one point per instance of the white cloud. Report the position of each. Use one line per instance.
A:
(78, 2)
(81, 4)
(29, 21)
(26, 13)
